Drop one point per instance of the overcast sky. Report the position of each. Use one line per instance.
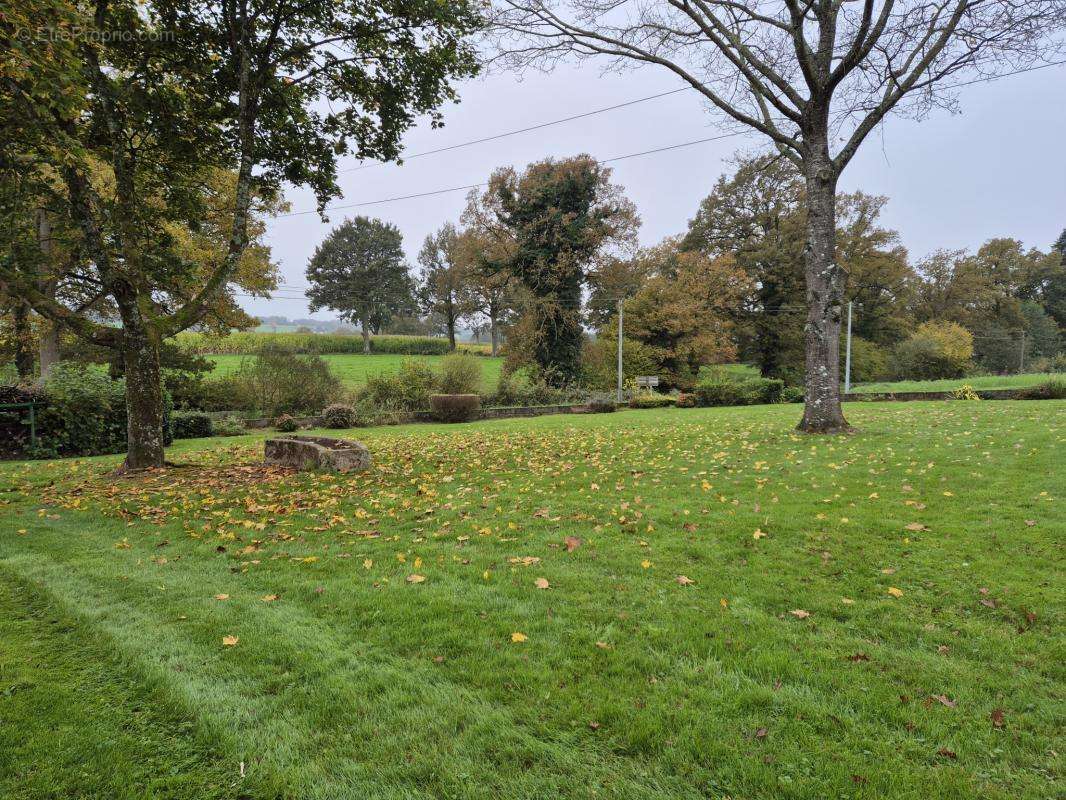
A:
(954, 181)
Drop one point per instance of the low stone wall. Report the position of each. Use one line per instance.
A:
(511, 412)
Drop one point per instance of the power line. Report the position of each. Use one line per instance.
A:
(484, 183)
(536, 127)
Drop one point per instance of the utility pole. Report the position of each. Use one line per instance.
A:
(847, 355)
(619, 350)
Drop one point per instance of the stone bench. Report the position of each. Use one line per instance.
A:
(317, 452)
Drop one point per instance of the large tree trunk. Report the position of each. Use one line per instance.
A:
(48, 348)
(23, 341)
(825, 289)
(144, 399)
(451, 332)
(494, 335)
(366, 337)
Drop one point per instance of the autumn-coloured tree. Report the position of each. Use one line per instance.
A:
(445, 289)
(683, 310)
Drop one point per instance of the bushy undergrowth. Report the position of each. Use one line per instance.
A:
(1049, 390)
(720, 388)
(460, 374)
(338, 415)
(191, 425)
(651, 400)
(455, 407)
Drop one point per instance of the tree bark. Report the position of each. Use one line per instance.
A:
(494, 334)
(23, 341)
(451, 332)
(825, 290)
(366, 337)
(48, 348)
(144, 399)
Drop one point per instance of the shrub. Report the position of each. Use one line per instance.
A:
(791, 394)
(286, 423)
(191, 425)
(651, 400)
(1048, 390)
(753, 391)
(869, 361)
(686, 400)
(455, 407)
(460, 374)
(339, 415)
(964, 393)
(230, 426)
(525, 387)
(599, 362)
(279, 382)
(602, 406)
(407, 389)
(936, 350)
(85, 413)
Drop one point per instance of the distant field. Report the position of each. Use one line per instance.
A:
(353, 369)
(977, 382)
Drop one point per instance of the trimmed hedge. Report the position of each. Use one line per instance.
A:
(455, 407)
(339, 415)
(247, 343)
(754, 391)
(191, 425)
(651, 400)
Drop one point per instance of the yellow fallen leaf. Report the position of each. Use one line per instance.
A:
(418, 562)
(368, 563)
(724, 603)
(892, 590)
(684, 580)
(602, 645)
(847, 601)
(518, 637)
(758, 535)
(416, 578)
(222, 597)
(230, 641)
(915, 526)
(645, 564)
(541, 583)
(800, 613)
(269, 598)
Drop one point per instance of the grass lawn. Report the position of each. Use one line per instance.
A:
(978, 382)
(679, 603)
(353, 368)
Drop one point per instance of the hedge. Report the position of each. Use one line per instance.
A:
(247, 343)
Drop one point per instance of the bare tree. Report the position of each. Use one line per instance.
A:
(814, 76)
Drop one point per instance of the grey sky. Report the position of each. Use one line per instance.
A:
(996, 169)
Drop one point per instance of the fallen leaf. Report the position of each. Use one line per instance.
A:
(594, 726)
(847, 601)
(645, 564)
(915, 526)
(859, 657)
(892, 590)
(602, 645)
(988, 602)
(368, 563)
(222, 597)
(230, 641)
(572, 543)
(997, 717)
(684, 580)
(541, 583)
(944, 700)
(416, 578)
(724, 603)
(758, 535)
(888, 571)
(943, 751)
(269, 598)
(800, 613)
(518, 637)
(761, 733)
